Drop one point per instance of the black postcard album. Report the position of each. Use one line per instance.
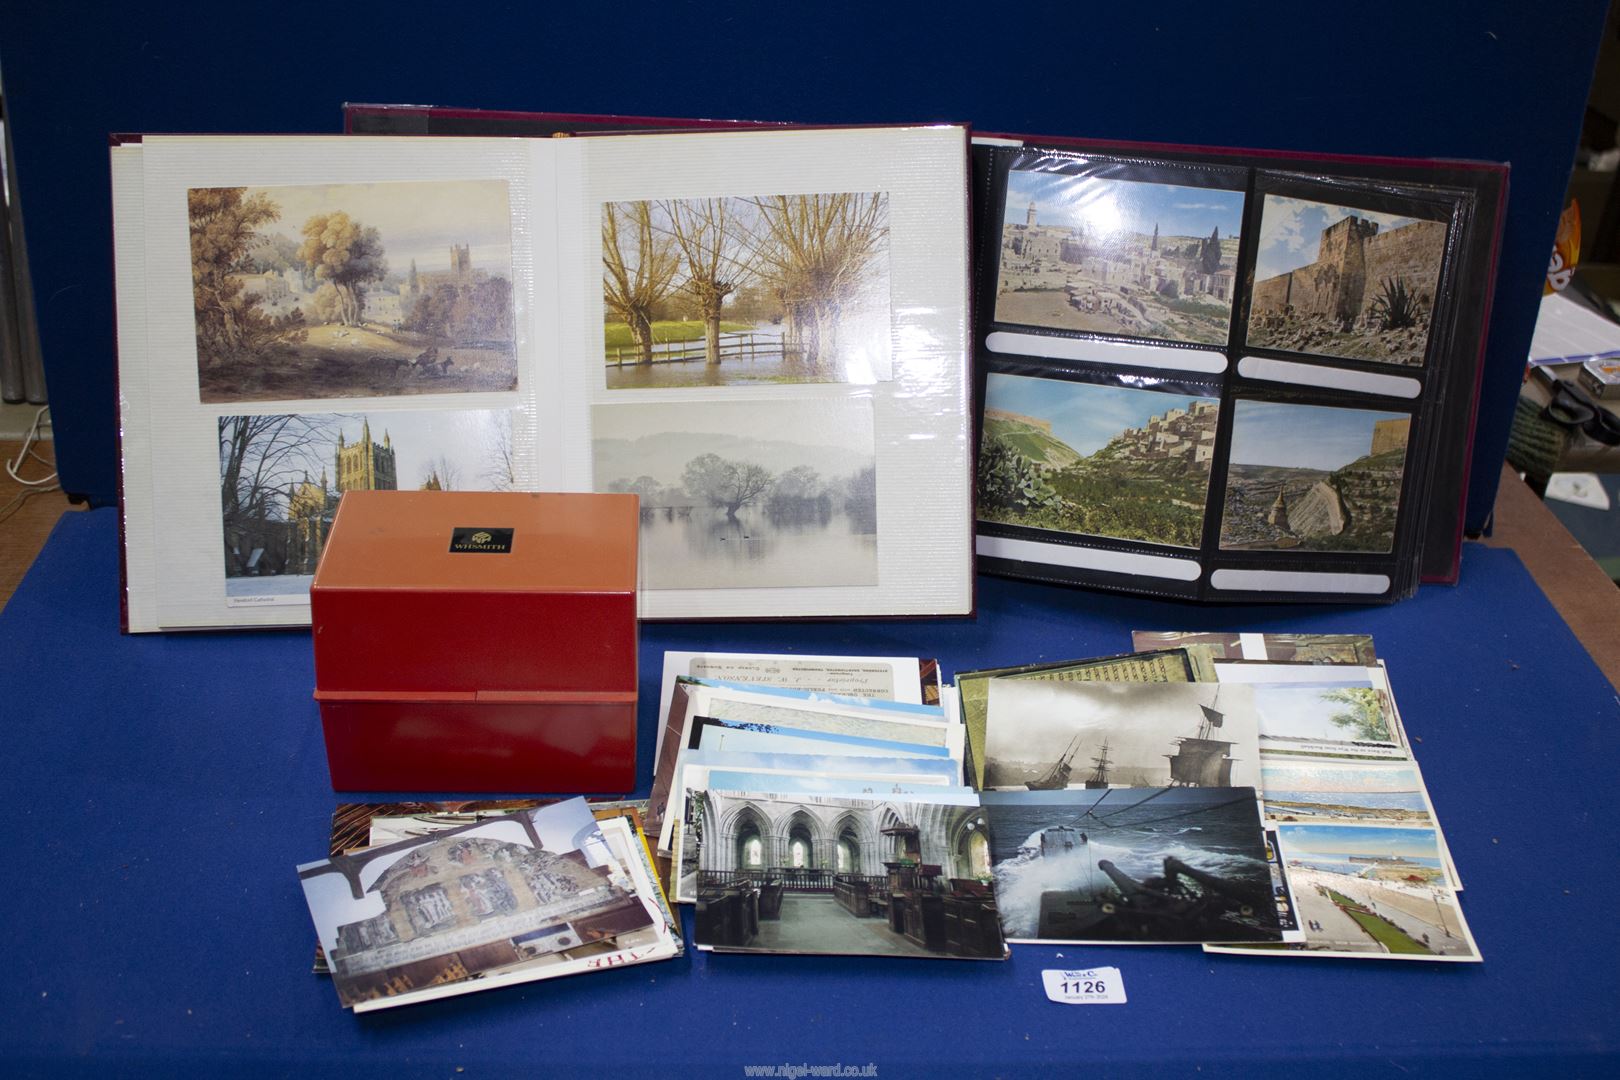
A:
(1225, 375)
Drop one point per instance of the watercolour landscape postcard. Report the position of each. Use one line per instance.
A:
(353, 290)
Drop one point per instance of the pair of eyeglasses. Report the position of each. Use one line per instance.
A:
(1575, 409)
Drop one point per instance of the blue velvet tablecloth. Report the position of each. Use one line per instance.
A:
(160, 790)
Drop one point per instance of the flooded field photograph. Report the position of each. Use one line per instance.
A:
(746, 494)
(735, 290)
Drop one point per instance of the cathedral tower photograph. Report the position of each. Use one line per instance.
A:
(282, 475)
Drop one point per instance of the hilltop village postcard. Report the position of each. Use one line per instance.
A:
(1096, 459)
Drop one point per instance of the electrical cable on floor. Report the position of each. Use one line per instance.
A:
(30, 487)
(28, 451)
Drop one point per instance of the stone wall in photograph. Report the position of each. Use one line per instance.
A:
(1353, 258)
(1412, 252)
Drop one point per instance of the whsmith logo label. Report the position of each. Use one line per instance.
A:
(494, 541)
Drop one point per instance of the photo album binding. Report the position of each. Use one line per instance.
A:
(762, 334)
(1220, 376)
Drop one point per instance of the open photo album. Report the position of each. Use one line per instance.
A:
(1201, 372)
(762, 334)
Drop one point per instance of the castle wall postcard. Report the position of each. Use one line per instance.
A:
(1345, 282)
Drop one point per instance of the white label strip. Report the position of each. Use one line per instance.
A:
(1253, 646)
(1105, 352)
(1298, 581)
(985, 140)
(1115, 562)
(1091, 986)
(1362, 382)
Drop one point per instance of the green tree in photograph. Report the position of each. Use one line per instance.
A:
(1209, 252)
(349, 256)
(224, 231)
(1362, 715)
(1009, 480)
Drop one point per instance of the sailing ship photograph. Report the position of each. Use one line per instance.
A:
(1056, 736)
(1165, 864)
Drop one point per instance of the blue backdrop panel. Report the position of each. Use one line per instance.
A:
(161, 790)
(1500, 80)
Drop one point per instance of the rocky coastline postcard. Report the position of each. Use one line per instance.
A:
(1345, 282)
(1096, 459)
(352, 290)
(1313, 478)
(1115, 256)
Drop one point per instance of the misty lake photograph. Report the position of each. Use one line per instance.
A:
(746, 494)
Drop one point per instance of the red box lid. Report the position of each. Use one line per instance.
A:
(473, 594)
(423, 540)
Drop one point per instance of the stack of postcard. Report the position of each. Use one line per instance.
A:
(1359, 847)
(445, 899)
(1247, 792)
(827, 815)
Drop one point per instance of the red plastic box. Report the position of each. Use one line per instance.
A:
(478, 641)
